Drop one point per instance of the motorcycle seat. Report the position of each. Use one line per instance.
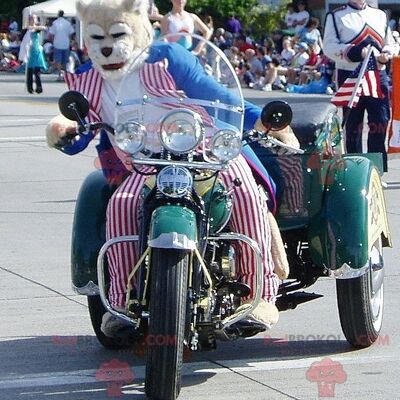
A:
(308, 118)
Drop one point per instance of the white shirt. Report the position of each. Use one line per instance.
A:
(289, 19)
(287, 55)
(353, 26)
(62, 30)
(299, 17)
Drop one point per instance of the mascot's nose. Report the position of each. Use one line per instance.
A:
(106, 51)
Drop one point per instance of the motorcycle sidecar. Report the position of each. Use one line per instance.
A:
(332, 216)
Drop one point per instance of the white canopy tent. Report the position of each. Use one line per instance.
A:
(49, 9)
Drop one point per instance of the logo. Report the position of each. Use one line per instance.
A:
(327, 373)
(117, 374)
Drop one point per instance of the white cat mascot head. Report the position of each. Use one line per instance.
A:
(114, 32)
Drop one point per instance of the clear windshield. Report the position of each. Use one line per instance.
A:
(166, 77)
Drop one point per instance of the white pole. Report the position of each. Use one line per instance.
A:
(360, 76)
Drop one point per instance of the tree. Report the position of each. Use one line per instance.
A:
(219, 10)
(260, 19)
(265, 19)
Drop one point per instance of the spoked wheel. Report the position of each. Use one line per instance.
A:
(168, 299)
(96, 311)
(360, 302)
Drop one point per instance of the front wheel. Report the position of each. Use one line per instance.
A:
(168, 298)
(360, 302)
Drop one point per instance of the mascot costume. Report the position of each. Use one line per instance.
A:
(115, 32)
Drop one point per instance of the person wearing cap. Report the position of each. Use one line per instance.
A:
(348, 31)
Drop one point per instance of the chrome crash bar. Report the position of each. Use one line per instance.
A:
(224, 236)
(100, 275)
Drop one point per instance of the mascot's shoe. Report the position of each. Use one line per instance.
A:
(263, 317)
(116, 328)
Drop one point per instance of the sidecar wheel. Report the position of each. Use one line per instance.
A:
(168, 299)
(360, 302)
(96, 311)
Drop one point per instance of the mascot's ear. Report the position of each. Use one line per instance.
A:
(139, 6)
(81, 8)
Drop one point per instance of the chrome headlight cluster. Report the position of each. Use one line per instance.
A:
(181, 131)
(226, 145)
(130, 137)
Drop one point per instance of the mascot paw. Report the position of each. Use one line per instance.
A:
(57, 128)
(286, 136)
(278, 251)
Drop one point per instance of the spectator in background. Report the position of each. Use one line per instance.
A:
(311, 34)
(263, 56)
(254, 69)
(272, 80)
(396, 37)
(208, 20)
(298, 61)
(310, 66)
(36, 61)
(241, 44)
(301, 17)
(13, 26)
(154, 13)
(320, 79)
(14, 43)
(228, 39)
(290, 19)
(219, 38)
(287, 53)
(48, 53)
(61, 30)
(179, 20)
(233, 25)
(4, 42)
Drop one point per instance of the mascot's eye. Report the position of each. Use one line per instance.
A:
(97, 37)
(118, 35)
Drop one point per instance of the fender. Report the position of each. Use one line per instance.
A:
(88, 231)
(352, 217)
(173, 227)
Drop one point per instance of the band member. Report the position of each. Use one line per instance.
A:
(348, 31)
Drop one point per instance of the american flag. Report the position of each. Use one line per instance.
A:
(370, 85)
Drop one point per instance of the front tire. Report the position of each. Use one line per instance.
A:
(168, 299)
(360, 302)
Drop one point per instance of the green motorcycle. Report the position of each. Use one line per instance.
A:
(330, 209)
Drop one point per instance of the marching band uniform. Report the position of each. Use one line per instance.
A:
(348, 30)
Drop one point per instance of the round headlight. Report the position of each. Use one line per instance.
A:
(226, 145)
(130, 137)
(181, 131)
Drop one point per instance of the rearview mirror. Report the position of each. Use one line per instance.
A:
(276, 115)
(73, 105)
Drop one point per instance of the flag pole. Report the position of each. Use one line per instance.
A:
(357, 85)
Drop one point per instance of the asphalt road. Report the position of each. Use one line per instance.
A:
(47, 347)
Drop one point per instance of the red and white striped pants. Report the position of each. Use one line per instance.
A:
(249, 217)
